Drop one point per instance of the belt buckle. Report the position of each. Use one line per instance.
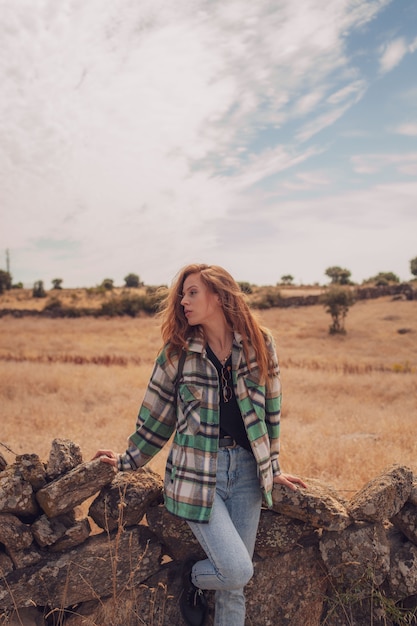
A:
(232, 445)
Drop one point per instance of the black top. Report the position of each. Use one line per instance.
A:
(231, 421)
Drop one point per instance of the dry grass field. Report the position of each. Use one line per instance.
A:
(350, 402)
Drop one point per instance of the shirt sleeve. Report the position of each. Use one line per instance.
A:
(156, 419)
(273, 408)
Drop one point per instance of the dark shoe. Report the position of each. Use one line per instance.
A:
(193, 603)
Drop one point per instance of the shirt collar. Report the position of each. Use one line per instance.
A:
(197, 344)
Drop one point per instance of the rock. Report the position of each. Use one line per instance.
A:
(155, 602)
(85, 613)
(406, 521)
(3, 462)
(126, 499)
(47, 531)
(26, 617)
(25, 557)
(318, 505)
(60, 533)
(279, 533)
(103, 566)
(413, 494)
(402, 578)
(63, 457)
(349, 609)
(32, 470)
(6, 564)
(358, 554)
(14, 535)
(314, 562)
(291, 599)
(16, 494)
(174, 534)
(74, 535)
(382, 497)
(82, 482)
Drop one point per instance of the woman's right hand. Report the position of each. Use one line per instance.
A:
(107, 456)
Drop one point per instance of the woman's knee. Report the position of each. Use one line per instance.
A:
(236, 575)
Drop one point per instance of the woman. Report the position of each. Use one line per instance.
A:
(224, 455)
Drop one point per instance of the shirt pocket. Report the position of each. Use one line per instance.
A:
(256, 393)
(189, 405)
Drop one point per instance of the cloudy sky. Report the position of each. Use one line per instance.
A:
(271, 137)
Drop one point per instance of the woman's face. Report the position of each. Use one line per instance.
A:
(201, 306)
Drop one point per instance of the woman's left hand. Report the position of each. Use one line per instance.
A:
(289, 481)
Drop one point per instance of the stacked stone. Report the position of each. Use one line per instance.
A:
(314, 549)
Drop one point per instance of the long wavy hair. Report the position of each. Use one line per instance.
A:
(176, 330)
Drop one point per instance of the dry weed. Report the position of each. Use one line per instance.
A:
(349, 402)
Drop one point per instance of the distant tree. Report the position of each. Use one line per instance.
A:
(57, 282)
(5, 281)
(287, 279)
(338, 275)
(245, 287)
(337, 301)
(38, 290)
(132, 280)
(413, 266)
(384, 278)
(107, 284)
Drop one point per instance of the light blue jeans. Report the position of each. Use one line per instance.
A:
(229, 537)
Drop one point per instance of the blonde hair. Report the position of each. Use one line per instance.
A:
(176, 330)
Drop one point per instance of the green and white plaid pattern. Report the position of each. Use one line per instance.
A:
(190, 477)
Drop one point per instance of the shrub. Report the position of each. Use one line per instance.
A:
(267, 299)
(107, 284)
(54, 304)
(245, 287)
(337, 302)
(132, 280)
(287, 279)
(57, 283)
(38, 290)
(413, 266)
(5, 281)
(383, 278)
(338, 275)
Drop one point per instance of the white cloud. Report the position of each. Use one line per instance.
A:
(320, 123)
(392, 54)
(367, 231)
(408, 129)
(131, 134)
(372, 163)
(413, 45)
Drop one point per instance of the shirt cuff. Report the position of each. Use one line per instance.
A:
(124, 462)
(276, 470)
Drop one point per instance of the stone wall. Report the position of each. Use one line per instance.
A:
(81, 544)
(397, 291)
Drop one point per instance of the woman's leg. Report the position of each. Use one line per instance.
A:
(229, 538)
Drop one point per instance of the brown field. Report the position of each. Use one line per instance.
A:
(94, 297)
(350, 402)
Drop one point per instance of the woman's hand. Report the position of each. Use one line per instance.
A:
(107, 456)
(289, 481)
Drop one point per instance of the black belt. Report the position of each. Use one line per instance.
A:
(227, 442)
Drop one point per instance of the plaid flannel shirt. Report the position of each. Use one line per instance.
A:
(190, 476)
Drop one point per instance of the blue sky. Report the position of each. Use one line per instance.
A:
(269, 137)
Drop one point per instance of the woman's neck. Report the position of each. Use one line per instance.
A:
(220, 341)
